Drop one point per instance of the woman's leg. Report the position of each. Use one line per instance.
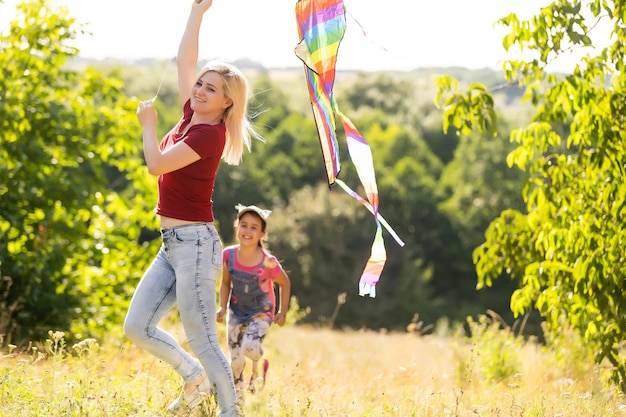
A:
(196, 255)
(154, 296)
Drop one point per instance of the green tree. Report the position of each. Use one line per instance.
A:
(73, 194)
(566, 250)
(477, 185)
(380, 91)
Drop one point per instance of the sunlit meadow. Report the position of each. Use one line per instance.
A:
(320, 372)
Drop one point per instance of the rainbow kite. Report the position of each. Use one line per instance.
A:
(321, 26)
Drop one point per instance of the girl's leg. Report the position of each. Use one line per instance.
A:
(252, 341)
(252, 344)
(154, 296)
(252, 386)
(237, 355)
(196, 255)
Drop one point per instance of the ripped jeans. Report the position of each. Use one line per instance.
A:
(184, 272)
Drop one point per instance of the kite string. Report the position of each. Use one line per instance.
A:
(365, 34)
(376, 44)
(162, 77)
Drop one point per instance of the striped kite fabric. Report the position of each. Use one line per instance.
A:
(321, 27)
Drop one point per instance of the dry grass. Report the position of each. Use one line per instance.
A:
(314, 372)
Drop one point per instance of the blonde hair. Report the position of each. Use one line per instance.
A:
(239, 129)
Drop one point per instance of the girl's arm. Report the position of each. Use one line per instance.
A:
(187, 57)
(224, 296)
(284, 294)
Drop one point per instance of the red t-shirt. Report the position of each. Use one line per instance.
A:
(186, 194)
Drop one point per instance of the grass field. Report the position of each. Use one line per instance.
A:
(319, 372)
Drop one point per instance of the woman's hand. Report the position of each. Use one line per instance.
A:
(202, 5)
(146, 114)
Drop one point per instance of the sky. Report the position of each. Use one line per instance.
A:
(399, 34)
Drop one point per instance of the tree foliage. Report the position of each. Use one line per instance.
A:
(476, 186)
(566, 249)
(72, 184)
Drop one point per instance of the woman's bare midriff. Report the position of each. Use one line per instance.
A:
(167, 222)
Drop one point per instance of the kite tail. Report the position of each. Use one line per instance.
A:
(378, 256)
(374, 266)
(367, 205)
(321, 26)
(361, 155)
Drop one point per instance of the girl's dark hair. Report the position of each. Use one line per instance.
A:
(263, 223)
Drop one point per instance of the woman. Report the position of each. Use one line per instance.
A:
(185, 270)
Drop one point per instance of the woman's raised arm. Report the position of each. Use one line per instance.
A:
(187, 57)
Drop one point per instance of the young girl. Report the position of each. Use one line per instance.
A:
(186, 268)
(247, 290)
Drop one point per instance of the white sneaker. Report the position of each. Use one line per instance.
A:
(193, 398)
(251, 384)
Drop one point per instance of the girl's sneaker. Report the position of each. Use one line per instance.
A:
(251, 387)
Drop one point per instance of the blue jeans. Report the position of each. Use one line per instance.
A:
(184, 272)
